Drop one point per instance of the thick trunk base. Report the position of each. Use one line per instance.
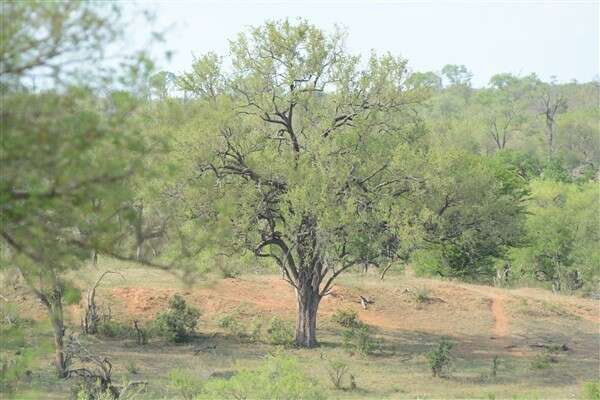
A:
(306, 323)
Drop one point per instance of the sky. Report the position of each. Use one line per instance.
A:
(550, 38)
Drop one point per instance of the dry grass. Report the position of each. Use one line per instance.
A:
(407, 330)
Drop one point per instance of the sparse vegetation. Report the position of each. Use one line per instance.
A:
(345, 318)
(542, 361)
(114, 329)
(279, 377)
(232, 325)
(590, 391)
(337, 371)
(358, 339)
(421, 295)
(256, 330)
(186, 385)
(494, 367)
(440, 358)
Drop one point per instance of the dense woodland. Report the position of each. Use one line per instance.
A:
(288, 154)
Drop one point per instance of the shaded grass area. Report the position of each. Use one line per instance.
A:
(398, 370)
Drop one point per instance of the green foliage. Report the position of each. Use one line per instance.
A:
(178, 322)
(132, 368)
(71, 295)
(542, 361)
(345, 317)
(185, 384)
(279, 377)
(421, 295)
(114, 329)
(562, 235)
(494, 366)
(590, 391)
(19, 353)
(473, 214)
(285, 152)
(279, 332)
(440, 359)
(256, 328)
(231, 324)
(337, 371)
(358, 339)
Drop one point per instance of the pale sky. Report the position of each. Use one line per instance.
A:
(559, 38)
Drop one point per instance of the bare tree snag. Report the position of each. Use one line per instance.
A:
(365, 302)
(90, 320)
(141, 334)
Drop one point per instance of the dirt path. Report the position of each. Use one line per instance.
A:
(500, 328)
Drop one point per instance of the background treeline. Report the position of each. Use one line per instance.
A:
(548, 135)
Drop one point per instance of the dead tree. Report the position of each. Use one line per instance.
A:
(94, 369)
(365, 302)
(551, 102)
(89, 323)
(141, 334)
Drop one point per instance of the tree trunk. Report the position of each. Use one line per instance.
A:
(306, 323)
(56, 317)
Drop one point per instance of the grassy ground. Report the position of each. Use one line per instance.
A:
(406, 326)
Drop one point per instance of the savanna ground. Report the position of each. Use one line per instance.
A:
(481, 321)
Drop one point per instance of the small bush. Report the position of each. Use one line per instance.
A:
(337, 370)
(279, 332)
(590, 391)
(232, 325)
(422, 295)
(358, 339)
(255, 333)
(114, 329)
(228, 270)
(279, 377)
(132, 368)
(184, 383)
(494, 367)
(178, 322)
(345, 318)
(542, 361)
(440, 358)
(90, 391)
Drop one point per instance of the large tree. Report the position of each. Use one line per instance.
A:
(300, 150)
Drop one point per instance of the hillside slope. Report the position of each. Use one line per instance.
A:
(409, 317)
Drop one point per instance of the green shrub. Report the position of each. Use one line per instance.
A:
(590, 391)
(542, 361)
(255, 333)
(337, 371)
(358, 339)
(232, 325)
(279, 377)
(90, 391)
(177, 323)
(279, 332)
(421, 295)
(440, 357)
(132, 368)
(494, 367)
(346, 318)
(114, 329)
(184, 383)
(71, 295)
